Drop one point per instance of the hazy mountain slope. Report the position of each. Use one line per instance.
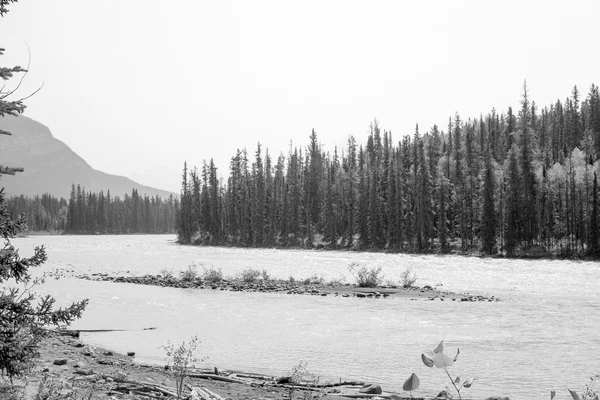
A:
(51, 166)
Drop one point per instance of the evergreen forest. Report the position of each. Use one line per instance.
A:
(96, 213)
(518, 182)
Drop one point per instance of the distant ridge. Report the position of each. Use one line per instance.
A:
(51, 166)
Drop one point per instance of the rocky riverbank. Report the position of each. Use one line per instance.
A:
(294, 287)
(69, 369)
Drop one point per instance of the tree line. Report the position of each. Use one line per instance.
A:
(510, 183)
(97, 213)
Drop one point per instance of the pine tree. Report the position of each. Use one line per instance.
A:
(71, 221)
(184, 233)
(23, 315)
(595, 220)
(488, 213)
(513, 202)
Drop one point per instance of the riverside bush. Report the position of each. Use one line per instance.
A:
(366, 277)
(299, 375)
(167, 273)
(181, 359)
(250, 275)
(265, 275)
(190, 274)
(408, 278)
(314, 280)
(212, 275)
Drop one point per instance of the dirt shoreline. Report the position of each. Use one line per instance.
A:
(80, 370)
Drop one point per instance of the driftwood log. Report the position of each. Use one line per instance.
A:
(75, 332)
(202, 393)
(152, 386)
(217, 378)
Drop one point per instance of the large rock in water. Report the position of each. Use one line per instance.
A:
(371, 389)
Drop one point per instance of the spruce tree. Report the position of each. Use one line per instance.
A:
(488, 213)
(23, 315)
(594, 249)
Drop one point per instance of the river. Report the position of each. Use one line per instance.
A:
(544, 335)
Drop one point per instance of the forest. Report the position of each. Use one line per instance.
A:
(515, 183)
(96, 213)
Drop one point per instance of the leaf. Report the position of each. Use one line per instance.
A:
(395, 397)
(457, 380)
(439, 348)
(552, 394)
(441, 360)
(468, 382)
(427, 360)
(574, 394)
(457, 353)
(448, 393)
(412, 383)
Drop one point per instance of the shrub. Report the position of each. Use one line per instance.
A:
(212, 275)
(299, 375)
(314, 280)
(408, 278)
(341, 281)
(250, 275)
(366, 277)
(167, 273)
(265, 275)
(190, 274)
(181, 359)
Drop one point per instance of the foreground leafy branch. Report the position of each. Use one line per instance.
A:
(438, 359)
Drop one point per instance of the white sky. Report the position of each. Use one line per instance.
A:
(137, 87)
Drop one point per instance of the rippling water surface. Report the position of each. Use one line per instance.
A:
(544, 335)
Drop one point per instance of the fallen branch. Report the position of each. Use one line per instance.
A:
(261, 377)
(75, 332)
(142, 393)
(328, 385)
(217, 378)
(298, 387)
(154, 386)
(359, 395)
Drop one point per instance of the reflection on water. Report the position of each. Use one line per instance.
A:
(543, 336)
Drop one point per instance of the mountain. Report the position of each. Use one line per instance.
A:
(51, 166)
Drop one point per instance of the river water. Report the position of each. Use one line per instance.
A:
(544, 335)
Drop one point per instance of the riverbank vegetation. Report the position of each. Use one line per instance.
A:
(96, 213)
(513, 183)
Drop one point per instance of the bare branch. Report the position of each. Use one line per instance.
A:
(37, 90)
(23, 76)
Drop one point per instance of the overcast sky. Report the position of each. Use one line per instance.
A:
(137, 87)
